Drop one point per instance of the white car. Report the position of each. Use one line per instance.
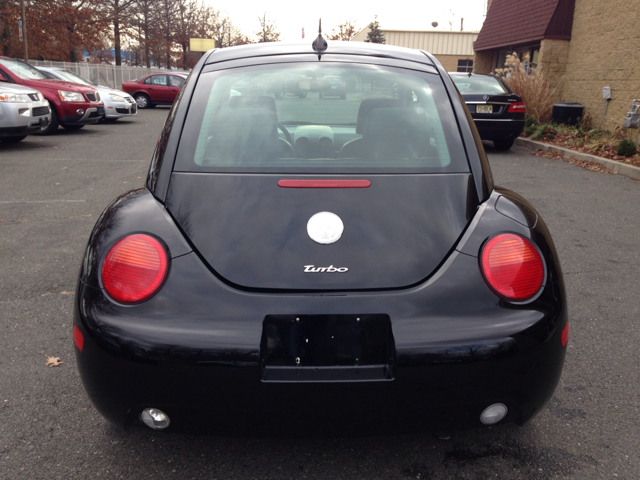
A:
(117, 104)
(23, 111)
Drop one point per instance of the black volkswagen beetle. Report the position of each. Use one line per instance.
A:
(311, 256)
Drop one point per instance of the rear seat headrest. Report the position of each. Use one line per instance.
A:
(367, 105)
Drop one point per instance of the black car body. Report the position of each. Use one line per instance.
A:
(320, 258)
(499, 114)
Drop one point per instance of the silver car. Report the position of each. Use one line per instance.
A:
(117, 104)
(23, 111)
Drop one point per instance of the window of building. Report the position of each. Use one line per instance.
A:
(465, 66)
(528, 56)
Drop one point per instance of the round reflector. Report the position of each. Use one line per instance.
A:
(134, 268)
(512, 267)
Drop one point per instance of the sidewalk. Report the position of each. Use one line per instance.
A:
(617, 167)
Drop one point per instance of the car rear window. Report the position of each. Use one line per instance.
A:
(320, 117)
(479, 84)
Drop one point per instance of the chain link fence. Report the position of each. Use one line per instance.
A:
(100, 73)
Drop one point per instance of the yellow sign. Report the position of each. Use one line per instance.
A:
(201, 44)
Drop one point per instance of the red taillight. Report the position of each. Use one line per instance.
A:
(512, 266)
(78, 339)
(516, 107)
(565, 335)
(134, 268)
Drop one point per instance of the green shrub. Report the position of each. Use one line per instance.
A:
(530, 126)
(626, 148)
(531, 122)
(544, 131)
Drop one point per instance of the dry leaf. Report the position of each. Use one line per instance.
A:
(53, 362)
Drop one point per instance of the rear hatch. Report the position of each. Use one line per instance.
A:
(253, 233)
(394, 128)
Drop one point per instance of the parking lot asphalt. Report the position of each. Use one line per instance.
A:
(52, 189)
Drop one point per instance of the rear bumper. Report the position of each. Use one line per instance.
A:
(199, 358)
(499, 129)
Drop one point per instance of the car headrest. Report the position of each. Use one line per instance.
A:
(251, 101)
(367, 105)
(396, 133)
(243, 135)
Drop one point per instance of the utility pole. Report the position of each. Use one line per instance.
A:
(24, 32)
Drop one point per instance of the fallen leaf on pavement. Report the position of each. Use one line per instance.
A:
(53, 362)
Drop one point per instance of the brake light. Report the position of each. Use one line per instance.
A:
(564, 338)
(512, 267)
(134, 268)
(517, 107)
(78, 338)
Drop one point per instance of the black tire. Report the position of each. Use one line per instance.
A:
(143, 100)
(12, 139)
(54, 123)
(72, 127)
(503, 145)
(302, 94)
(343, 96)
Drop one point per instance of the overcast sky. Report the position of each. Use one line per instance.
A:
(291, 16)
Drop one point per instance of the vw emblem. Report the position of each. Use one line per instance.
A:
(485, 97)
(325, 227)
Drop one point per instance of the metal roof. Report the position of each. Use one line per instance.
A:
(434, 42)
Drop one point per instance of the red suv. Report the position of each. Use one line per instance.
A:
(72, 105)
(155, 89)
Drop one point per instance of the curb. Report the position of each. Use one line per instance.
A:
(617, 167)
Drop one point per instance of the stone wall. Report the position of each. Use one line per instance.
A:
(484, 62)
(553, 61)
(450, 62)
(604, 51)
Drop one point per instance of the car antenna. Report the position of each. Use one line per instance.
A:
(319, 44)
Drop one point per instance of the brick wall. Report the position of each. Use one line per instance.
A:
(604, 51)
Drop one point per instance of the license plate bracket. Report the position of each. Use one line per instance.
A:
(327, 348)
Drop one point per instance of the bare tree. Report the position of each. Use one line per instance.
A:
(144, 15)
(118, 12)
(344, 32)
(267, 31)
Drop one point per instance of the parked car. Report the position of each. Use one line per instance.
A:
(73, 106)
(498, 113)
(380, 277)
(117, 104)
(337, 87)
(23, 111)
(155, 89)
